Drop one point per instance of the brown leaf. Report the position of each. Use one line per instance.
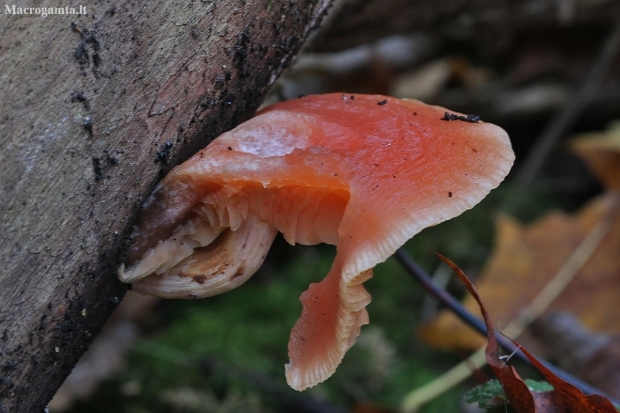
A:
(523, 262)
(601, 151)
(564, 398)
(567, 398)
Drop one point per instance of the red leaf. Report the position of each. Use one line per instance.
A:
(565, 397)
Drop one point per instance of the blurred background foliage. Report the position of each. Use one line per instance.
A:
(227, 353)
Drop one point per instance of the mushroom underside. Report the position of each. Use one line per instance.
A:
(225, 264)
(202, 258)
(367, 177)
(225, 238)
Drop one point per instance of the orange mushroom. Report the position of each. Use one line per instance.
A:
(365, 173)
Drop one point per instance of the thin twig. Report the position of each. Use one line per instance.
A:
(455, 306)
(570, 112)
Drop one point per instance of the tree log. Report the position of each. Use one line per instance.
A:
(363, 21)
(95, 109)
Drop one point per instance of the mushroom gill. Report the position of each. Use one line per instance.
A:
(365, 173)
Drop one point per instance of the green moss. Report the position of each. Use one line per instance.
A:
(491, 394)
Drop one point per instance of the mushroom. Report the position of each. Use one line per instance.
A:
(362, 172)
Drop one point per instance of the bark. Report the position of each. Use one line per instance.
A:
(94, 110)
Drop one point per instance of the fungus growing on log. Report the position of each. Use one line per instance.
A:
(365, 174)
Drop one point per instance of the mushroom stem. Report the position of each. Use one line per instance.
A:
(336, 304)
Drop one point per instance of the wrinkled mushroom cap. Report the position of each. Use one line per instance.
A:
(365, 173)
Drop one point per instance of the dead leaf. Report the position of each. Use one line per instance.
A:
(601, 151)
(523, 262)
(564, 398)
